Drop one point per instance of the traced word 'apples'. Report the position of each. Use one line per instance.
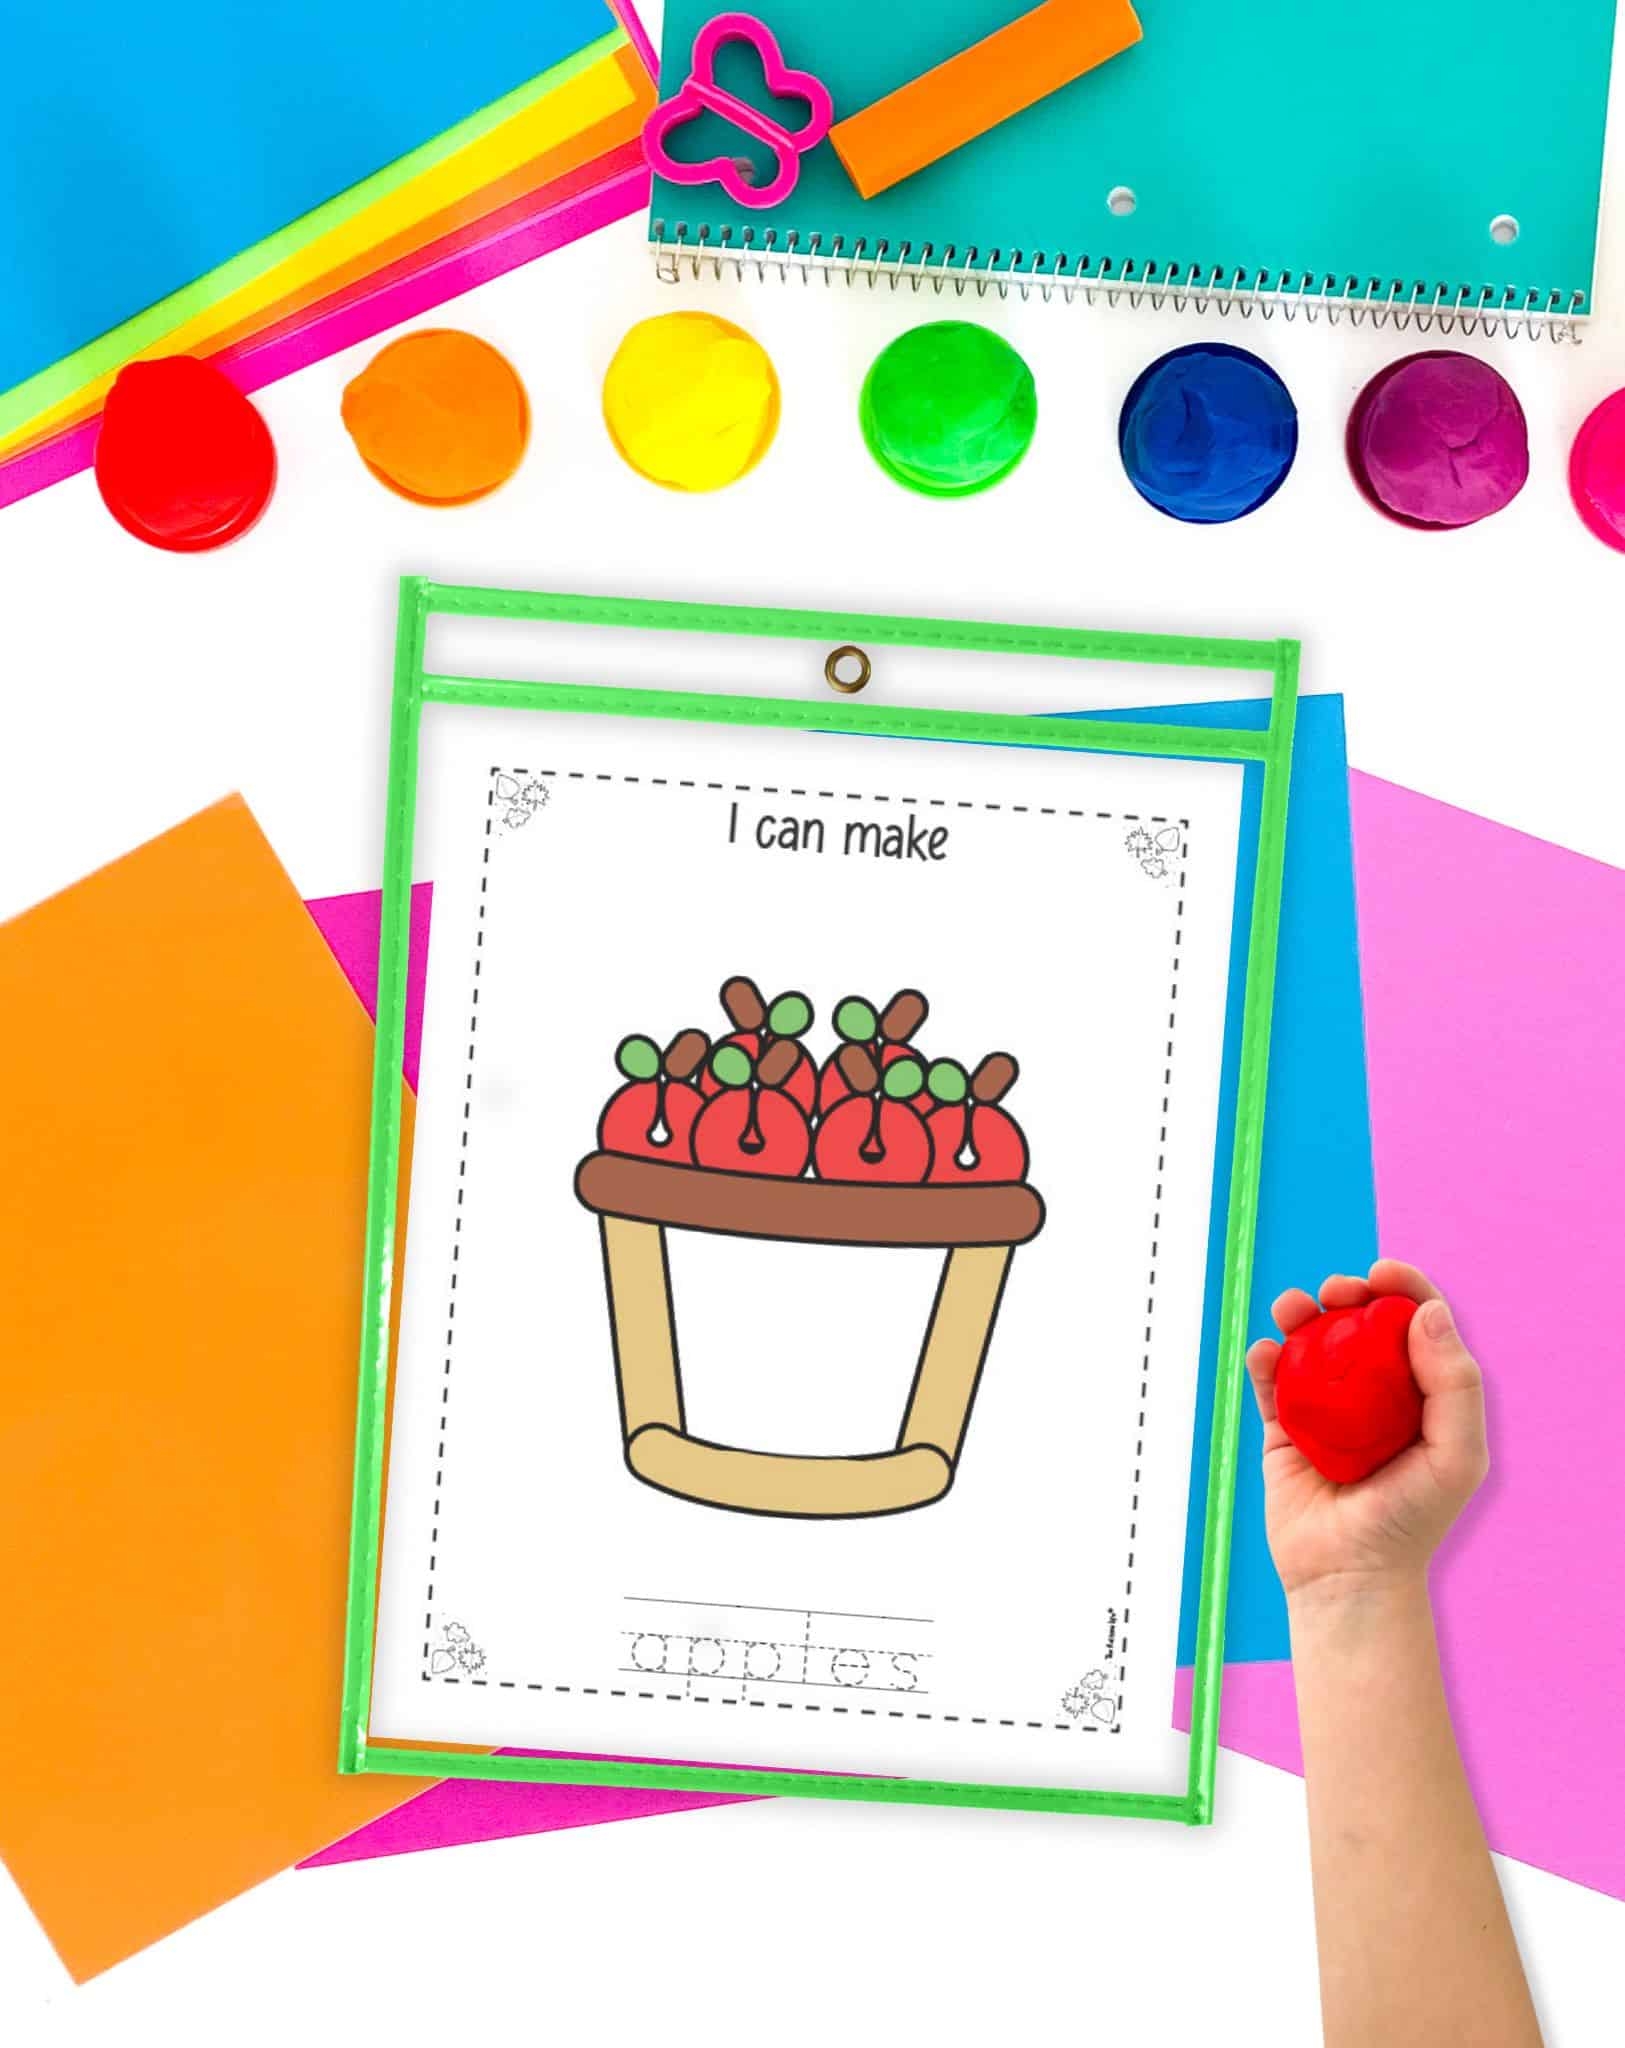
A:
(1344, 1392)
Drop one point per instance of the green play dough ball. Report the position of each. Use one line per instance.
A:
(948, 408)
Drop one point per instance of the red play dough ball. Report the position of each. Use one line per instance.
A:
(183, 461)
(1343, 1388)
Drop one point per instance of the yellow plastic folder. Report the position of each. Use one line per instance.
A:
(182, 1178)
(563, 103)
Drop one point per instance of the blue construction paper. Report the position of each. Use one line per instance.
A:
(1349, 149)
(144, 146)
(1317, 1208)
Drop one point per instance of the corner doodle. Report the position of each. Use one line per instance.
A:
(517, 798)
(1089, 1697)
(456, 1652)
(1156, 855)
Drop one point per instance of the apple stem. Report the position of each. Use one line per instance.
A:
(994, 1078)
(687, 1052)
(742, 1001)
(903, 1016)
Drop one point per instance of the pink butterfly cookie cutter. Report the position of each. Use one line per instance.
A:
(700, 92)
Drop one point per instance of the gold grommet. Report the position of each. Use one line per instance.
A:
(848, 685)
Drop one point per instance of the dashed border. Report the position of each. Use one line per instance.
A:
(828, 796)
(457, 1223)
(1151, 1281)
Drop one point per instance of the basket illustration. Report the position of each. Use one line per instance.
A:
(750, 1140)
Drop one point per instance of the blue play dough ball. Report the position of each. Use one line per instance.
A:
(1208, 433)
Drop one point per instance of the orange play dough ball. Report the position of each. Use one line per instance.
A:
(439, 416)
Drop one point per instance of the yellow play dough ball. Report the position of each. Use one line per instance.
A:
(691, 401)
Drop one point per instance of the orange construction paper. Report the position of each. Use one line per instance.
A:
(183, 1162)
(942, 110)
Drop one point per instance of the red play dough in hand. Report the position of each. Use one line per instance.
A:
(183, 461)
(1343, 1388)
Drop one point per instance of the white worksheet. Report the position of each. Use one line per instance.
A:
(596, 877)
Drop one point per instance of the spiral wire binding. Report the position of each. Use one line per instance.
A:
(1530, 314)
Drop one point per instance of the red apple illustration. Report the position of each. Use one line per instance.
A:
(1344, 1391)
(653, 1116)
(759, 1024)
(887, 1036)
(971, 1138)
(874, 1133)
(752, 1125)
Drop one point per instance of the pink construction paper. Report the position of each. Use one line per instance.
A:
(340, 323)
(470, 1810)
(1494, 973)
(349, 924)
(1258, 1712)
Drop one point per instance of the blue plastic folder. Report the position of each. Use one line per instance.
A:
(142, 147)
(1359, 151)
(1317, 1209)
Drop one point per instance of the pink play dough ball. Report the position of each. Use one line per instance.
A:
(1439, 440)
(1597, 472)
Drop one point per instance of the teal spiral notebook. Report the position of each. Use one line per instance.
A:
(1408, 158)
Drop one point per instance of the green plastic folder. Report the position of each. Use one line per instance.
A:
(1414, 153)
(492, 1576)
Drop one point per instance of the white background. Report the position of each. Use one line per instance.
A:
(1483, 668)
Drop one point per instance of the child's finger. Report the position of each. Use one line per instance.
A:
(1395, 1276)
(1452, 1396)
(1292, 1309)
(1343, 1290)
(1261, 1358)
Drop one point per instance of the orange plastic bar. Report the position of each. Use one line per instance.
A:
(942, 110)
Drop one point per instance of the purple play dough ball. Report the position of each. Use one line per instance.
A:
(1440, 440)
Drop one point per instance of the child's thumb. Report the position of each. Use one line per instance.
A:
(1452, 1395)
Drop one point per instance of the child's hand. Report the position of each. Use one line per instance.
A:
(1388, 1525)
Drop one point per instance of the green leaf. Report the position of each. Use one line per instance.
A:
(731, 1065)
(638, 1057)
(947, 1081)
(903, 1078)
(856, 1020)
(790, 1015)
